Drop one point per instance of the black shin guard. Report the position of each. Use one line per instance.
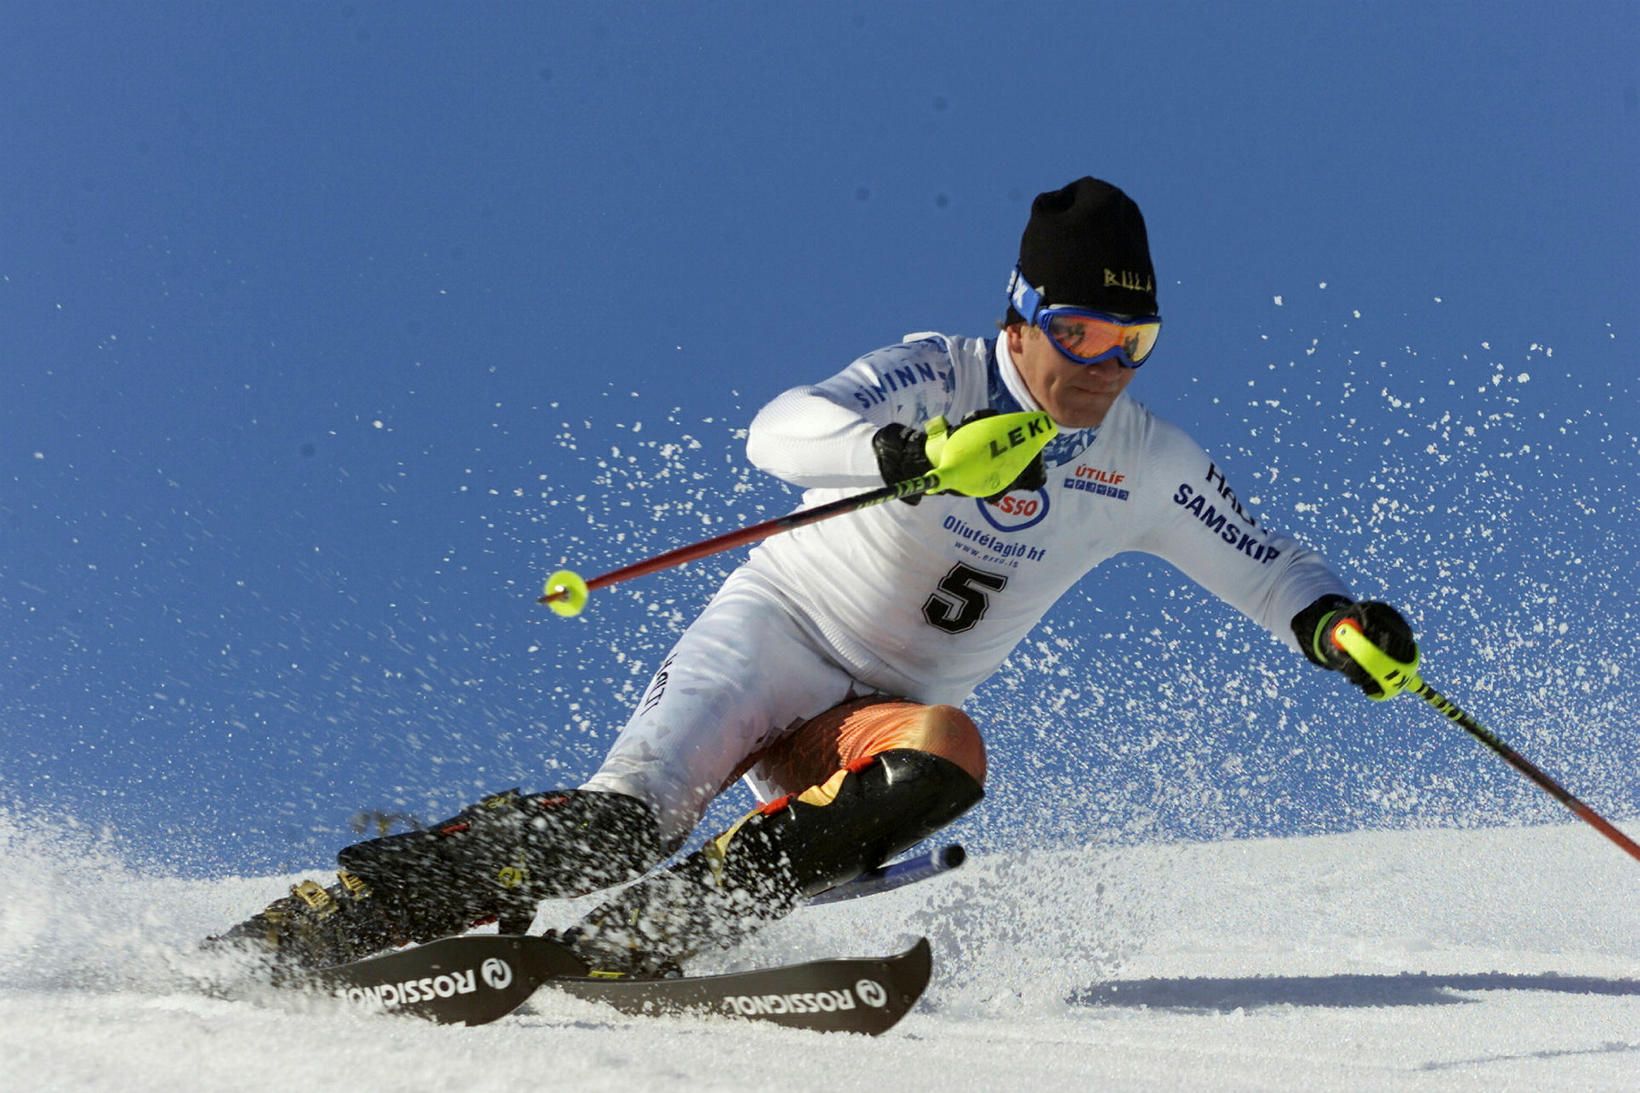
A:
(758, 870)
(502, 856)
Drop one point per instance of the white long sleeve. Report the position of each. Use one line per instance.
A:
(820, 435)
(928, 600)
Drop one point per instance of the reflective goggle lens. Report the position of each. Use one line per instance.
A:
(1088, 337)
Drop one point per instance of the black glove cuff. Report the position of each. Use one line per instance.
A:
(1307, 626)
(901, 455)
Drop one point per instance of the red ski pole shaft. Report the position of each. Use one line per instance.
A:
(979, 458)
(1393, 677)
(755, 533)
(1480, 732)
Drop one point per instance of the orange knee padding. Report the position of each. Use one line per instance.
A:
(846, 737)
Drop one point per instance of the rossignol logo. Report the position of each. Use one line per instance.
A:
(496, 973)
(866, 992)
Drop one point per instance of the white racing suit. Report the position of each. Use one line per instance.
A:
(926, 601)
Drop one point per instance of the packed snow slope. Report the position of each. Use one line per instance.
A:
(1500, 958)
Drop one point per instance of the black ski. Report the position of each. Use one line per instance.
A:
(478, 978)
(864, 994)
(468, 980)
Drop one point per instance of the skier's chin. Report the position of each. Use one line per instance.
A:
(1083, 410)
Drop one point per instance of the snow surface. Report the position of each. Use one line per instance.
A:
(1444, 959)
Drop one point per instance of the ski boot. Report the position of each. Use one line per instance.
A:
(494, 861)
(315, 926)
(773, 858)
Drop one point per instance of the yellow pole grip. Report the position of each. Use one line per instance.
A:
(1390, 674)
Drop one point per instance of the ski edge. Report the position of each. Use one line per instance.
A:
(866, 995)
(475, 979)
(471, 979)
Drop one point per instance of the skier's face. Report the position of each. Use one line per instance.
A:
(1077, 396)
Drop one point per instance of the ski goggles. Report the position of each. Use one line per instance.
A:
(1083, 335)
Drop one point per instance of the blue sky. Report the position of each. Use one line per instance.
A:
(327, 330)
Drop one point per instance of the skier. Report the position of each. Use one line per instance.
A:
(831, 667)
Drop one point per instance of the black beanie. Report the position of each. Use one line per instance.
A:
(1086, 246)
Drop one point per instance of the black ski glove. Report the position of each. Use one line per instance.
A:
(901, 454)
(1381, 623)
